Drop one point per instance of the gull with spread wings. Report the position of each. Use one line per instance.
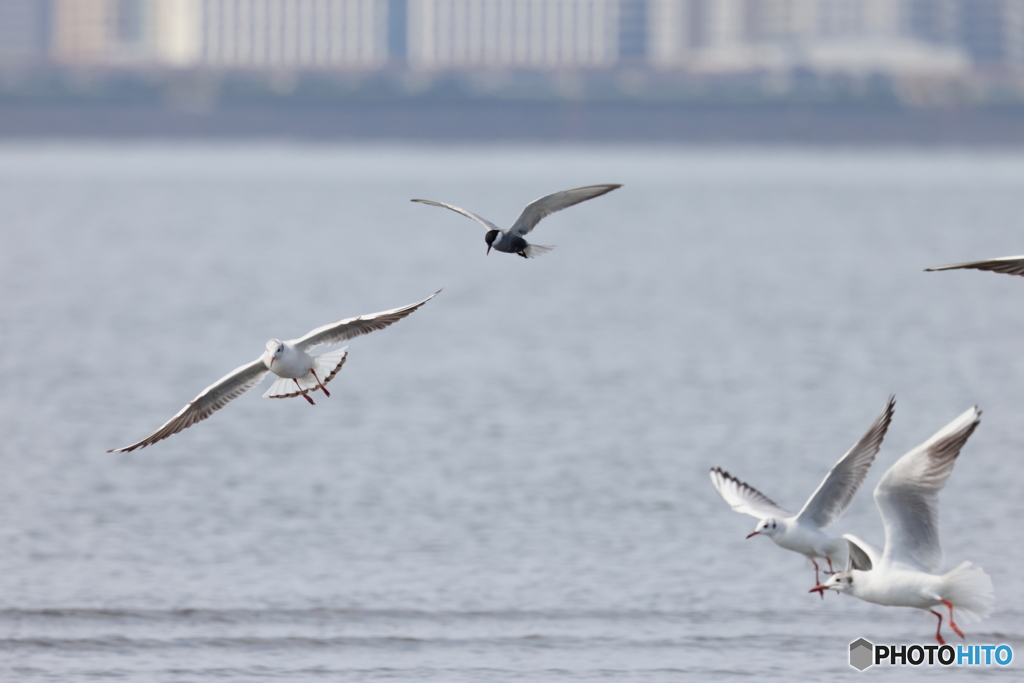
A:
(803, 532)
(298, 372)
(511, 241)
(903, 574)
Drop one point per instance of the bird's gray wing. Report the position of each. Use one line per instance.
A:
(1011, 265)
(841, 483)
(212, 399)
(744, 497)
(545, 206)
(468, 214)
(908, 495)
(863, 555)
(353, 327)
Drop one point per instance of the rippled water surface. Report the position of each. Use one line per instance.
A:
(511, 484)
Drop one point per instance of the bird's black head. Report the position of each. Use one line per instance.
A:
(490, 237)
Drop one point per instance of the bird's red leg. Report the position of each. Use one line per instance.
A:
(303, 392)
(322, 387)
(817, 579)
(830, 569)
(938, 635)
(952, 625)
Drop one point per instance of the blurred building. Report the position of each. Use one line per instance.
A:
(221, 33)
(818, 35)
(129, 33)
(24, 31)
(991, 31)
(292, 33)
(530, 34)
(941, 37)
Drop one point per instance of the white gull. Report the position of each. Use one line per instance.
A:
(904, 573)
(298, 372)
(803, 532)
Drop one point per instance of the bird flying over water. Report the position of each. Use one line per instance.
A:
(903, 574)
(298, 372)
(803, 532)
(511, 241)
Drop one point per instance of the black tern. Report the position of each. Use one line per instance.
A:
(511, 241)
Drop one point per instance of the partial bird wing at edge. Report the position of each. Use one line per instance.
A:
(1011, 265)
(212, 399)
(547, 205)
(353, 327)
(840, 485)
(744, 497)
(908, 495)
(468, 214)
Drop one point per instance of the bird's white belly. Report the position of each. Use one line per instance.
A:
(901, 589)
(292, 364)
(809, 542)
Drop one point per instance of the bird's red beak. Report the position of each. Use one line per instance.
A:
(753, 533)
(819, 589)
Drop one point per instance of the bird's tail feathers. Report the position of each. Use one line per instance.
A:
(970, 591)
(326, 366)
(534, 250)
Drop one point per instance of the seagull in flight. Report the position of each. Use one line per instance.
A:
(804, 531)
(1011, 265)
(511, 241)
(298, 372)
(904, 573)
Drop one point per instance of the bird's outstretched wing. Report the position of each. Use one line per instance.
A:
(744, 497)
(908, 495)
(353, 327)
(468, 214)
(212, 399)
(545, 206)
(841, 483)
(1011, 265)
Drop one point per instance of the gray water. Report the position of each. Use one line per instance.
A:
(510, 484)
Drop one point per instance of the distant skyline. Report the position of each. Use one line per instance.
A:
(938, 38)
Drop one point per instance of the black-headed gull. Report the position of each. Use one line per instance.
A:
(1011, 265)
(511, 240)
(904, 573)
(803, 532)
(298, 372)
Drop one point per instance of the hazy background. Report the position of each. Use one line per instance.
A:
(848, 71)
